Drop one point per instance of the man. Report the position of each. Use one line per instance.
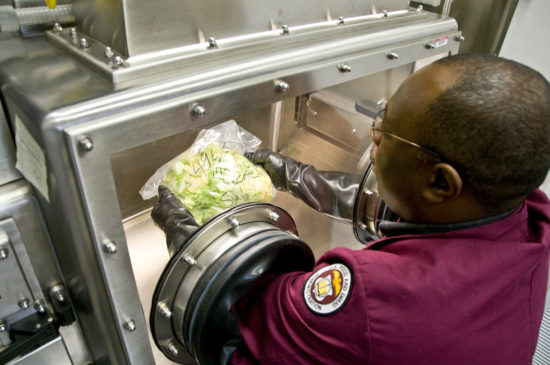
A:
(461, 278)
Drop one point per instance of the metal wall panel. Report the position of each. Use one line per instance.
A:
(136, 27)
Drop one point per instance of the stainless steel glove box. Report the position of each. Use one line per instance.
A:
(98, 127)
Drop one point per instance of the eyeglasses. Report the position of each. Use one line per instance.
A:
(376, 132)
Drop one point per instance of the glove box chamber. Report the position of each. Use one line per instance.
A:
(99, 128)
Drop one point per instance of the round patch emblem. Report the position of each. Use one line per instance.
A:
(328, 288)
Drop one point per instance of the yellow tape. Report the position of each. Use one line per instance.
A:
(51, 3)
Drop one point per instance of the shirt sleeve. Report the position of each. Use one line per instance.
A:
(316, 317)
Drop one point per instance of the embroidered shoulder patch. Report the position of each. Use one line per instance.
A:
(327, 289)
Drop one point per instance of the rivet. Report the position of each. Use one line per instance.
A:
(344, 67)
(164, 310)
(109, 246)
(273, 216)
(233, 222)
(340, 20)
(459, 38)
(86, 144)
(3, 253)
(40, 306)
(57, 28)
(3, 326)
(420, 8)
(108, 52)
(172, 348)
(392, 55)
(385, 12)
(73, 32)
(212, 43)
(281, 86)
(117, 62)
(363, 226)
(285, 29)
(24, 303)
(84, 43)
(130, 325)
(197, 110)
(189, 260)
(354, 131)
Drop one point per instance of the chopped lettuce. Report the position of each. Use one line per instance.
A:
(216, 179)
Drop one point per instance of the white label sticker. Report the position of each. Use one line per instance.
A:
(440, 42)
(31, 161)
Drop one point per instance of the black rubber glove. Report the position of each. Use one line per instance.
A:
(176, 221)
(329, 192)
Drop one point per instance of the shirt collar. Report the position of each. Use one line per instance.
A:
(391, 229)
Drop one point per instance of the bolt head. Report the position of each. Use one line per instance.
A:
(24, 303)
(86, 144)
(109, 246)
(130, 325)
(3, 253)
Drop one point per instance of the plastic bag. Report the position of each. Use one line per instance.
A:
(213, 174)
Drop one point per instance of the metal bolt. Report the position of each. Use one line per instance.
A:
(86, 144)
(197, 110)
(73, 32)
(40, 306)
(108, 52)
(281, 86)
(57, 28)
(420, 8)
(340, 20)
(344, 67)
(189, 260)
(164, 310)
(430, 45)
(212, 43)
(172, 348)
(285, 29)
(354, 131)
(24, 303)
(130, 325)
(363, 226)
(392, 55)
(459, 38)
(385, 13)
(59, 296)
(273, 216)
(37, 326)
(3, 326)
(3, 253)
(84, 43)
(117, 62)
(233, 222)
(109, 246)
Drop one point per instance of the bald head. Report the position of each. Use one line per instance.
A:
(490, 118)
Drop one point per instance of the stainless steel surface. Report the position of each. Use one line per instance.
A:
(52, 353)
(301, 47)
(120, 24)
(484, 24)
(7, 152)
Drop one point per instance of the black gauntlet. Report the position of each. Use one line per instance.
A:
(329, 192)
(176, 221)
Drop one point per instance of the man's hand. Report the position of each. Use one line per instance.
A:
(176, 221)
(276, 165)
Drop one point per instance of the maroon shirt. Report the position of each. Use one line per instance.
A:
(472, 296)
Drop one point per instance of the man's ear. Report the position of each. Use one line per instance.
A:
(443, 183)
